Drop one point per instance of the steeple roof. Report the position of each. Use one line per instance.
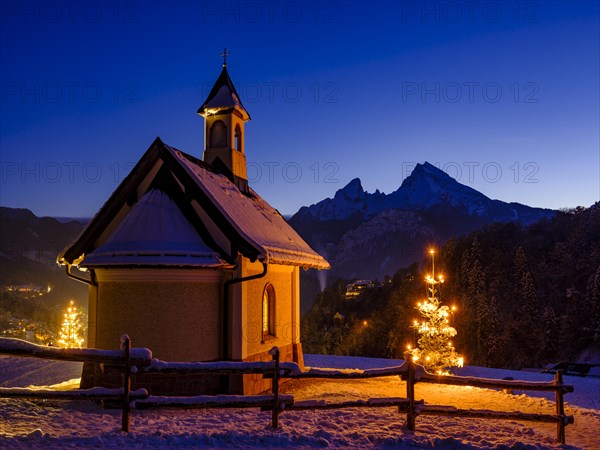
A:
(223, 98)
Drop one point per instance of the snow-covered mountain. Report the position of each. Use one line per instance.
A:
(425, 188)
(369, 235)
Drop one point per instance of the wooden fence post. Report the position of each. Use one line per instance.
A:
(275, 418)
(560, 406)
(126, 384)
(410, 394)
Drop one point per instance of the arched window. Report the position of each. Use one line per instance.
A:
(237, 140)
(218, 134)
(268, 311)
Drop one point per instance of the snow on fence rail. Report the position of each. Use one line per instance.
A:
(126, 357)
(96, 393)
(142, 358)
(412, 373)
(18, 347)
(559, 388)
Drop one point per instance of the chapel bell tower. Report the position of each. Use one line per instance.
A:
(224, 138)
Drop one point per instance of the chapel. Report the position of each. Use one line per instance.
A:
(189, 261)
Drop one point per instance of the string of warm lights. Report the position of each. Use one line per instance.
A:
(71, 330)
(435, 350)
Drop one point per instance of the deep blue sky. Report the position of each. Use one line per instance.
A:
(502, 95)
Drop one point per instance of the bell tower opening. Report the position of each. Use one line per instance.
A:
(218, 134)
(237, 139)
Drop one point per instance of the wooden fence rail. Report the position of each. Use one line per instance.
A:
(128, 357)
(125, 357)
(96, 393)
(557, 386)
(18, 347)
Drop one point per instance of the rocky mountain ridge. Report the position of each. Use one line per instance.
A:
(370, 235)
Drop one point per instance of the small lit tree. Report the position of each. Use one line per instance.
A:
(435, 350)
(72, 329)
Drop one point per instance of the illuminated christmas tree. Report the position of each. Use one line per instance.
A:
(435, 350)
(71, 331)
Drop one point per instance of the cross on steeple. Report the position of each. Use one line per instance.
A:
(225, 54)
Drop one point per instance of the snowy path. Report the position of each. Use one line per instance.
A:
(53, 424)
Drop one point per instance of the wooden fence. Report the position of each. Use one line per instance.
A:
(141, 358)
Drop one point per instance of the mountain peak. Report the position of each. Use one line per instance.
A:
(346, 202)
(352, 190)
(426, 187)
(428, 166)
(429, 186)
(429, 170)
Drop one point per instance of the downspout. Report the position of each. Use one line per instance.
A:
(226, 285)
(91, 282)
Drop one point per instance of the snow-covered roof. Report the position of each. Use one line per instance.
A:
(223, 97)
(257, 221)
(155, 232)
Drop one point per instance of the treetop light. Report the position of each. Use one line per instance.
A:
(71, 331)
(434, 346)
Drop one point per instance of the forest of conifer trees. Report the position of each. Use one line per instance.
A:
(525, 297)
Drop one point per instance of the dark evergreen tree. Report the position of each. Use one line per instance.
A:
(526, 296)
(593, 295)
(550, 328)
(473, 308)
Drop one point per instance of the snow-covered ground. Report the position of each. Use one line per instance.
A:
(77, 424)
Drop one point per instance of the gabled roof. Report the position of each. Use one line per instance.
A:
(254, 228)
(223, 97)
(155, 232)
